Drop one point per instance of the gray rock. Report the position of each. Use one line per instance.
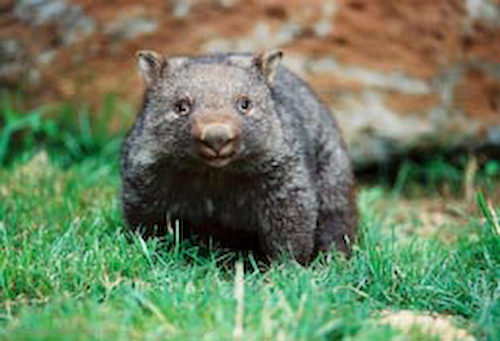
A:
(128, 28)
(40, 11)
(12, 57)
(372, 78)
(180, 8)
(486, 10)
(262, 36)
(72, 24)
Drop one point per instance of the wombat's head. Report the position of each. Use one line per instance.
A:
(214, 110)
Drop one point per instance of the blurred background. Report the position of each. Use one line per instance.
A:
(401, 76)
(415, 85)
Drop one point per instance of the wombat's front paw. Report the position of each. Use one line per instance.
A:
(300, 246)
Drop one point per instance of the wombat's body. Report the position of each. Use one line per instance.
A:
(240, 149)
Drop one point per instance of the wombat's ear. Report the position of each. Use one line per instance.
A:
(151, 66)
(267, 62)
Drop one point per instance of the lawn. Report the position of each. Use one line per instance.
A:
(68, 269)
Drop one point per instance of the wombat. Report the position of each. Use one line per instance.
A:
(239, 149)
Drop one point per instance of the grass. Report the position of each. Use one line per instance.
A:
(68, 130)
(68, 270)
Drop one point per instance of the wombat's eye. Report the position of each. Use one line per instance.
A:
(182, 106)
(244, 104)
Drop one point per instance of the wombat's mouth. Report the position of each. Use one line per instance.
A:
(218, 162)
(217, 158)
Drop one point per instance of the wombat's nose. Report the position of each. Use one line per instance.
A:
(219, 138)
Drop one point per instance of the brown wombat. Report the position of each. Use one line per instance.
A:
(240, 149)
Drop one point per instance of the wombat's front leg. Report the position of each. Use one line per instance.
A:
(146, 222)
(143, 213)
(288, 225)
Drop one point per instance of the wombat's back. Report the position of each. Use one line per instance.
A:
(308, 117)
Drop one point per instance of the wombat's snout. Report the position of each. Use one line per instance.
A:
(217, 142)
(218, 137)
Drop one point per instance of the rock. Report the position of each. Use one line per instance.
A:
(180, 8)
(262, 36)
(13, 59)
(485, 10)
(40, 11)
(324, 26)
(131, 24)
(72, 24)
